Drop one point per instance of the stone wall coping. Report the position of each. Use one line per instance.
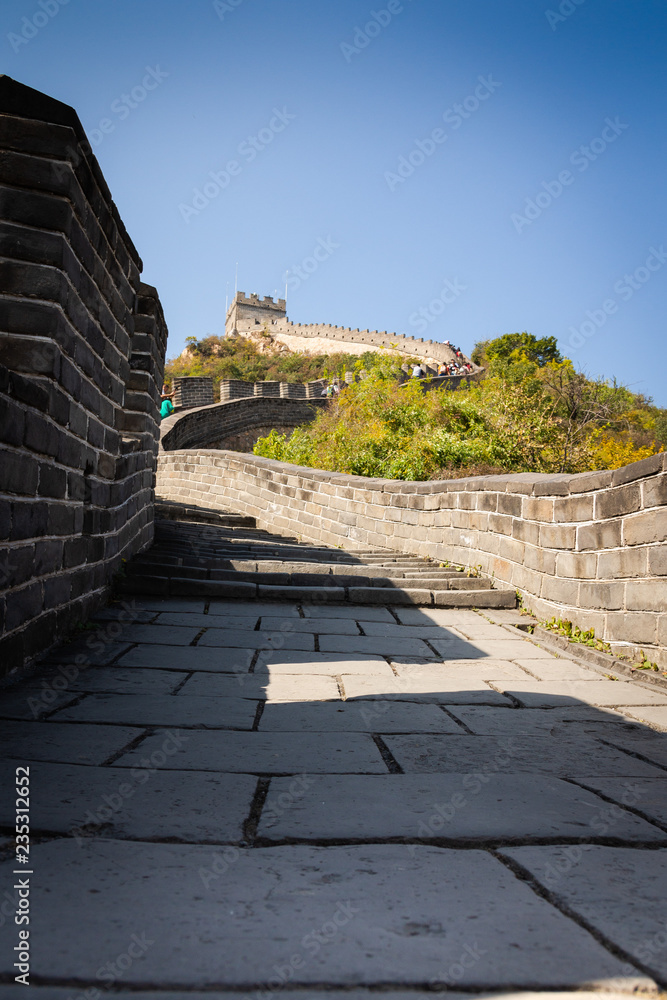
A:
(523, 484)
(200, 415)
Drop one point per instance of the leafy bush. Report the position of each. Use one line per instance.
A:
(526, 415)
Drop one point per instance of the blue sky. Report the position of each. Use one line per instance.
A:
(465, 168)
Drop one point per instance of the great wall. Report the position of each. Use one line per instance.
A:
(248, 314)
(82, 349)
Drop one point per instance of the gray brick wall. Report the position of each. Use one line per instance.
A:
(82, 344)
(591, 548)
(192, 390)
(241, 420)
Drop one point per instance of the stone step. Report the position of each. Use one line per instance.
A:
(186, 587)
(196, 515)
(232, 558)
(166, 560)
(288, 578)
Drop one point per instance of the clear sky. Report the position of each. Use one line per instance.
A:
(463, 168)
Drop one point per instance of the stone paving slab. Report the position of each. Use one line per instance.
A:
(170, 635)
(647, 743)
(162, 710)
(425, 631)
(619, 891)
(630, 736)
(30, 703)
(457, 673)
(289, 662)
(288, 687)
(558, 669)
(63, 742)
(536, 694)
(229, 639)
(65, 993)
(566, 758)
(232, 608)
(11, 992)
(458, 617)
(268, 753)
(500, 649)
(128, 612)
(384, 917)
(453, 806)
(315, 625)
(128, 680)
(529, 722)
(374, 645)
(170, 604)
(417, 688)
(142, 804)
(211, 658)
(87, 652)
(655, 715)
(360, 612)
(647, 795)
(362, 717)
(206, 621)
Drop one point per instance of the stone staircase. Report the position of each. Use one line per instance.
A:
(202, 552)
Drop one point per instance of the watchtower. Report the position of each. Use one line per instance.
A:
(248, 312)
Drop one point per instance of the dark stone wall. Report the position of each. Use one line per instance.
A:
(192, 390)
(82, 345)
(239, 421)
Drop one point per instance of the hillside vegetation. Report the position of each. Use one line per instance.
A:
(258, 360)
(531, 412)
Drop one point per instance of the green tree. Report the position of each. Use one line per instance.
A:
(513, 347)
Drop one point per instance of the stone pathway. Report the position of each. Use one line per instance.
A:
(283, 799)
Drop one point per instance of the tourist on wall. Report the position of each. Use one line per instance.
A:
(166, 406)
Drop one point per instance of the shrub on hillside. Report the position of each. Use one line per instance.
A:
(525, 416)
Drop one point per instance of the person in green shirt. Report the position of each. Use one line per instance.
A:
(166, 407)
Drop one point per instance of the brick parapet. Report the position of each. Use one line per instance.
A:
(211, 426)
(192, 391)
(541, 534)
(82, 350)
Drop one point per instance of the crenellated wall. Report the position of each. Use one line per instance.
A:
(82, 344)
(238, 389)
(250, 315)
(591, 548)
(192, 390)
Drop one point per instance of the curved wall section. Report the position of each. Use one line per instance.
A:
(590, 548)
(236, 423)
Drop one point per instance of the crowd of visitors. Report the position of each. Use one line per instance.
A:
(458, 367)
